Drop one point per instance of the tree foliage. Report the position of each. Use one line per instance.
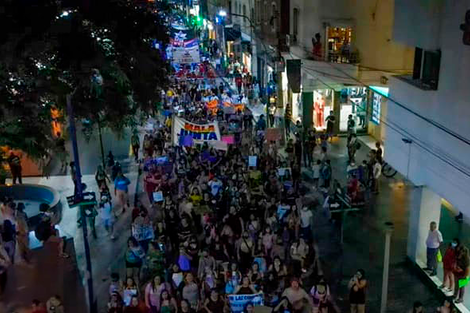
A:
(101, 51)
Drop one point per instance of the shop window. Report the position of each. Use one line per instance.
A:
(272, 19)
(295, 25)
(425, 69)
(339, 45)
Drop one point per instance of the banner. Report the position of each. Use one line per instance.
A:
(186, 55)
(238, 302)
(200, 132)
(218, 145)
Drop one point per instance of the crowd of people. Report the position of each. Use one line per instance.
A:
(215, 224)
(219, 222)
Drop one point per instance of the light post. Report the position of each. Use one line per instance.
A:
(388, 236)
(78, 198)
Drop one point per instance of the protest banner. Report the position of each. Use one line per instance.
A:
(238, 302)
(186, 55)
(218, 145)
(199, 132)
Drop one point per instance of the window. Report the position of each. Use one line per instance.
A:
(272, 19)
(295, 25)
(244, 14)
(426, 68)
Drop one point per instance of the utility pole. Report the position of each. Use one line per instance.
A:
(388, 236)
(79, 196)
(101, 143)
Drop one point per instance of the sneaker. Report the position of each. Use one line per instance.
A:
(458, 301)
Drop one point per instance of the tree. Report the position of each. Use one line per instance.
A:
(101, 52)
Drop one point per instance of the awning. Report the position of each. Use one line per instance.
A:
(232, 34)
(246, 38)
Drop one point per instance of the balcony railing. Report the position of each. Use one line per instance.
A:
(344, 57)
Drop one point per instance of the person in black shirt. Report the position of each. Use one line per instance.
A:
(378, 153)
(14, 162)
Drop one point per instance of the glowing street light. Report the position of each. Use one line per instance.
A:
(222, 13)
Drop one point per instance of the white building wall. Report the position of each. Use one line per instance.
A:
(449, 106)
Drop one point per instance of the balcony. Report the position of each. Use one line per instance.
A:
(344, 57)
(419, 83)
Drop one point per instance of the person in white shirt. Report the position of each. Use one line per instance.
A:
(433, 242)
(316, 173)
(376, 173)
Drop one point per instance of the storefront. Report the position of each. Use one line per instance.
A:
(349, 101)
(353, 101)
(378, 106)
(323, 100)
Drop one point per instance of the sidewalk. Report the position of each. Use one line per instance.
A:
(364, 243)
(107, 255)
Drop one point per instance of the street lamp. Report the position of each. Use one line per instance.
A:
(388, 235)
(222, 13)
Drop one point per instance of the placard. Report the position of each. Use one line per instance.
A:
(219, 145)
(252, 160)
(158, 196)
(229, 139)
(238, 302)
(142, 232)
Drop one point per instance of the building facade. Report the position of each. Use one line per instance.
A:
(428, 133)
(356, 50)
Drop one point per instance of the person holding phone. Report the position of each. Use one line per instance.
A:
(357, 292)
